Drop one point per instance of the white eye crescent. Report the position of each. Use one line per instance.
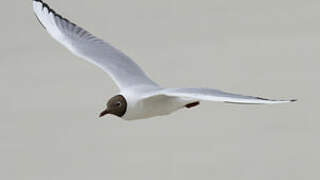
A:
(118, 103)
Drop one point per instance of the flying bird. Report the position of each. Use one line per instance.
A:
(139, 96)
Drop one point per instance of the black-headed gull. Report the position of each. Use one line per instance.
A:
(139, 96)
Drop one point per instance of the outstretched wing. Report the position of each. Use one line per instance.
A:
(120, 67)
(215, 95)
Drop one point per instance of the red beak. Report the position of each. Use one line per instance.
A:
(104, 113)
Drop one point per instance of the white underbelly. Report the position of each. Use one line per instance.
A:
(155, 106)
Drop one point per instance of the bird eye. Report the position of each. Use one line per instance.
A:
(118, 103)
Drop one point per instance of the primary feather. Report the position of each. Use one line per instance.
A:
(80, 42)
(206, 94)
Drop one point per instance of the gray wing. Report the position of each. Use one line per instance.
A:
(120, 67)
(205, 94)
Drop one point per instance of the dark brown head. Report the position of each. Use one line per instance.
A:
(116, 106)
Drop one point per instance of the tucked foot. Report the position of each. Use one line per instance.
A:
(191, 105)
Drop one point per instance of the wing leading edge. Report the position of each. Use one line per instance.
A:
(80, 42)
(206, 94)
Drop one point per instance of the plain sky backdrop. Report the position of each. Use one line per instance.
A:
(50, 99)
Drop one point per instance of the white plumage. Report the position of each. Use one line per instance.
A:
(144, 97)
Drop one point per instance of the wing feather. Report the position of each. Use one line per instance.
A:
(206, 94)
(80, 42)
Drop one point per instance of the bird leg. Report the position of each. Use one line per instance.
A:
(191, 105)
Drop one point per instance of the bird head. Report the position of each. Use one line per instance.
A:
(117, 106)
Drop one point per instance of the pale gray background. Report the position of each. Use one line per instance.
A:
(50, 99)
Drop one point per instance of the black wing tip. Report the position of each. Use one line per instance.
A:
(291, 100)
(265, 99)
(45, 5)
(40, 22)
